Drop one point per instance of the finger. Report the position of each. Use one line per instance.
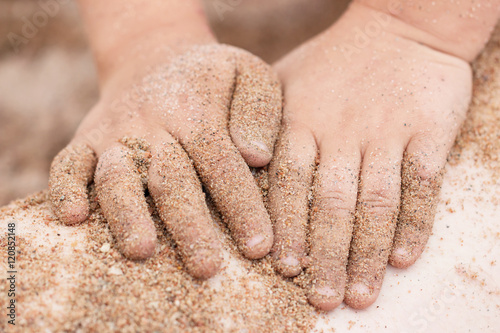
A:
(180, 201)
(422, 177)
(332, 215)
(233, 189)
(70, 173)
(375, 222)
(121, 196)
(290, 177)
(255, 109)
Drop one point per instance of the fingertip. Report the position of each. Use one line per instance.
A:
(204, 264)
(325, 298)
(360, 296)
(140, 246)
(256, 154)
(258, 246)
(403, 258)
(73, 215)
(287, 265)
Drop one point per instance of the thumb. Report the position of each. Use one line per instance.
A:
(255, 109)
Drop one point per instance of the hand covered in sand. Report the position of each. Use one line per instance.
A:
(368, 130)
(206, 110)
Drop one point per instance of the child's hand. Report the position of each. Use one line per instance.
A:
(378, 122)
(210, 105)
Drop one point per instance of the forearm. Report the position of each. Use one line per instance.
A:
(460, 28)
(122, 30)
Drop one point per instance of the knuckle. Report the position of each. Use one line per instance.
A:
(112, 152)
(63, 159)
(422, 168)
(428, 173)
(380, 198)
(336, 199)
(111, 164)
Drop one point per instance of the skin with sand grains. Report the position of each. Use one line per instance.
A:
(212, 108)
(369, 129)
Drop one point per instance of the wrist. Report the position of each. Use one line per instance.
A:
(461, 29)
(141, 32)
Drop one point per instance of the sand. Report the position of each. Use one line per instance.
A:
(79, 279)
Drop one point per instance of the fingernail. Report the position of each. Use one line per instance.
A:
(290, 261)
(139, 248)
(73, 215)
(360, 289)
(360, 296)
(401, 252)
(257, 247)
(326, 291)
(288, 265)
(205, 264)
(325, 298)
(255, 241)
(261, 146)
(402, 257)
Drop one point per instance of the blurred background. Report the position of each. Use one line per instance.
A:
(48, 81)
